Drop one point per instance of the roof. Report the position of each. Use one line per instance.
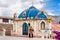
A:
(32, 12)
(42, 15)
(1, 17)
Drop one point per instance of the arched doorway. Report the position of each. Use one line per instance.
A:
(42, 25)
(25, 29)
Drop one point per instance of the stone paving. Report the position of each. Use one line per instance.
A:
(20, 38)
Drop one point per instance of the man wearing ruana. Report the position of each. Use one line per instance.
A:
(30, 31)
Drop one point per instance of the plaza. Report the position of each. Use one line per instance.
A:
(20, 38)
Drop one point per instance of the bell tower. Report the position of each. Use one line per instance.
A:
(15, 16)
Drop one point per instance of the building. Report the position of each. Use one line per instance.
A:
(6, 25)
(39, 20)
(42, 23)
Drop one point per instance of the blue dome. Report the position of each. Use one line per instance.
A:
(32, 12)
(42, 15)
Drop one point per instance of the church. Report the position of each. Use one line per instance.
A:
(39, 20)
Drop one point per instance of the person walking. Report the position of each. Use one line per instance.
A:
(30, 31)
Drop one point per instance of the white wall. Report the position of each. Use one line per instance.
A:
(10, 21)
(0, 20)
(36, 24)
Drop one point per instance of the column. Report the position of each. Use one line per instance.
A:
(4, 30)
(43, 33)
(50, 30)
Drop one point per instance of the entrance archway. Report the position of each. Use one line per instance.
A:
(42, 25)
(25, 29)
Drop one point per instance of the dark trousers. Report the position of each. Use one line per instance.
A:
(30, 35)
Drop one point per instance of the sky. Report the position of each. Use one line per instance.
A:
(9, 7)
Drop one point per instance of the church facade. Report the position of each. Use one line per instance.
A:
(39, 20)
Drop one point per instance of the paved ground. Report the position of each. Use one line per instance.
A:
(20, 38)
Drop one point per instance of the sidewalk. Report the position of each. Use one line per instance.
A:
(20, 38)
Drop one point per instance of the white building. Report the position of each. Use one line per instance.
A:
(6, 25)
(39, 20)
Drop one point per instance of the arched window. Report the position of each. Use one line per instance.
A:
(42, 25)
(25, 29)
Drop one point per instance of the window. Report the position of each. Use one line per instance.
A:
(5, 20)
(42, 25)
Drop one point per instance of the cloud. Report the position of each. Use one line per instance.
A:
(50, 12)
(4, 7)
(9, 7)
(39, 6)
(59, 4)
(0, 12)
(7, 3)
